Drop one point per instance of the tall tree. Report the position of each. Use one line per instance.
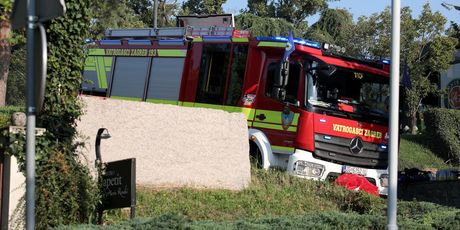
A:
(294, 11)
(261, 8)
(112, 14)
(425, 48)
(166, 11)
(265, 26)
(333, 26)
(203, 7)
(5, 50)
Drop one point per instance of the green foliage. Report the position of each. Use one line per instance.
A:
(411, 215)
(443, 127)
(5, 9)
(111, 14)
(271, 193)
(293, 11)
(425, 48)
(333, 26)
(65, 191)
(203, 7)
(414, 152)
(261, 26)
(16, 90)
(166, 12)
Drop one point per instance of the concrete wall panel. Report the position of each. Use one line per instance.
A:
(173, 146)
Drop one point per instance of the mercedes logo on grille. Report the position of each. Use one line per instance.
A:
(356, 145)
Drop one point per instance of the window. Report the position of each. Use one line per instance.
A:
(292, 86)
(213, 73)
(165, 78)
(237, 70)
(129, 77)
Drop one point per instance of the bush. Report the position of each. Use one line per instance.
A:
(443, 131)
(323, 220)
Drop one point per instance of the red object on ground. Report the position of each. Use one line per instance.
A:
(357, 183)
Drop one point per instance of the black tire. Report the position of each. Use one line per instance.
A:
(255, 155)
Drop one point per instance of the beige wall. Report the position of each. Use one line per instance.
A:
(173, 146)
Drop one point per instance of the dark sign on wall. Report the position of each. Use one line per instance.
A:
(118, 188)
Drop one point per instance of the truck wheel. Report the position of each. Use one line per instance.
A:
(255, 156)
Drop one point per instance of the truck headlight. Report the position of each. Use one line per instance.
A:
(309, 169)
(384, 180)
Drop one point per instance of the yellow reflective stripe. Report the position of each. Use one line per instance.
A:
(126, 98)
(240, 40)
(199, 39)
(187, 104)
(272, 126)
(295, 121)
(209, 106)
(101, 75)
(249, 112)
(249, 123)
(282, 148)
(158, 101)
(172, 53)
(108, 63)
(90, 68)
(270, 116)
(96, 52)
(272, 44)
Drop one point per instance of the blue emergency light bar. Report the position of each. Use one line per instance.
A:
(171, 42)
(210, 38)
(296, 41)
(386, 61)
(140, 42)
(110, 42)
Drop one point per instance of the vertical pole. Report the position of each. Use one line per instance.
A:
(394, 115)
(155, 14)
(30, 110)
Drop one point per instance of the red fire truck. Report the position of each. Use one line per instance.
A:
(319, 115)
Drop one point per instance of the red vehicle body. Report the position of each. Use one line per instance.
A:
(331, 117)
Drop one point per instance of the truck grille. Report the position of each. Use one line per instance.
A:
(337, 150)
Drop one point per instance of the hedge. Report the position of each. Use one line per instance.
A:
(443, 131)
(412, 218)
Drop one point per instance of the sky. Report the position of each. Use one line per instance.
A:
(367, 7)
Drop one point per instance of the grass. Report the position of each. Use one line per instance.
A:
(271, 194)
(414, 153)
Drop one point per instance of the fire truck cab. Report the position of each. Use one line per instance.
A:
(318, 116)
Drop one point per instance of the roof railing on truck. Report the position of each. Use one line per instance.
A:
(173, 32)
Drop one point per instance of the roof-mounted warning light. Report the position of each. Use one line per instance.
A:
(297, 41)
(333, 48)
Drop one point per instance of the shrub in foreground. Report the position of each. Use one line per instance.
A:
(443, 130)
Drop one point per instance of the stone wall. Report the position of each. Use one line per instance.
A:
(174, 146)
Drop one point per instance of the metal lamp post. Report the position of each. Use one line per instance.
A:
(102, 133)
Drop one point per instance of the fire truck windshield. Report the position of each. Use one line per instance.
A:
(350, 91)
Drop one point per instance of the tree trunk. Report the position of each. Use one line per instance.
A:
(413, 123)
(5, 56)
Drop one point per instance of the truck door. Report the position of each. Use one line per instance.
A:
(279, 119)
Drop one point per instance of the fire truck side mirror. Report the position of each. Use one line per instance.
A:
(280, 80)
(281, 75)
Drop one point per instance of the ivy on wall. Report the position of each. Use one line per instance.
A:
(65, 191)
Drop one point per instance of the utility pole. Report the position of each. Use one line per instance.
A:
(394, 115)
(155, 14)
